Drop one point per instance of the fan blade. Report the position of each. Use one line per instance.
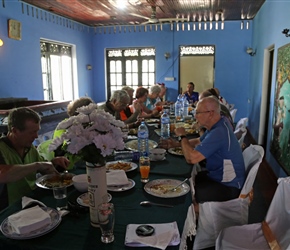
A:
(173, 19)
(148, 22)
(137, 15)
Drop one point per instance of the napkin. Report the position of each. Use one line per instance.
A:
(165, 234)
(26, 202)
(28, 220)
(117, 178)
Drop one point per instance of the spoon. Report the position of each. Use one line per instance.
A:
(175, 188)
(149, 204)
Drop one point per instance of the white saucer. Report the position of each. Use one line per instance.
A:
(83, 199)
(158, 160)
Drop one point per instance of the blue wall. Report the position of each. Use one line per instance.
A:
(237, 75)
(20, 67)
(272, 18)
(232, 64)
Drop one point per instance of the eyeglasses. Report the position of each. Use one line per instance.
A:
(202, 112)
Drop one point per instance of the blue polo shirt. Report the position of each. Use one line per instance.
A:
(224, 158)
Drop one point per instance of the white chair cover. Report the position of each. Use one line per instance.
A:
(215, 216)
(231, 106)
(241, 134)
(242, 123)
(251, 236)
(233, 114)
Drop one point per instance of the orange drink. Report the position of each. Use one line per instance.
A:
(144, 165)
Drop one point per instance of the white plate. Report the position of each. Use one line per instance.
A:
(55, 220)
(133, 165)
(126, 187)
(173, 151)
(83, 199)
(152, 120)
(41, 181)
(158, 188)
(133, 145)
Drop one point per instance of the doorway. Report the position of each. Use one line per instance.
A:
(266, 96)
(197, 66)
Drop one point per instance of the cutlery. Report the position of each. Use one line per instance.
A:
(149, 204)
(175, 188)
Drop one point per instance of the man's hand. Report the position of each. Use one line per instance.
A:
(60, 161)
(169, 143)
(179, 131)
(46, 168)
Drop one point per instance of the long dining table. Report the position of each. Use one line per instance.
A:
(75, 230)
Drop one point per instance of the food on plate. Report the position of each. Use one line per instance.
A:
(133, 144)
(133, 131)
(190, 131)
(177, 150)
(57, 180)
(119, 166)
(164, 188)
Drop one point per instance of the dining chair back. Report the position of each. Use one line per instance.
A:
(42, 149)
(215, 216)
(241, 134)
(272, 233)
(233, 114)
(242, 123)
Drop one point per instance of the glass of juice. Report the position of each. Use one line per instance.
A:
(144, 165)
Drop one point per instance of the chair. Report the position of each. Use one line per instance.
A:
(43, 150)
(242, 123)
(233, 114)
(241, 134)
(272, 233)
(215, 216)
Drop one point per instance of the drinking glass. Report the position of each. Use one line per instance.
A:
(106, 215)
(60, 194)
(144, 165)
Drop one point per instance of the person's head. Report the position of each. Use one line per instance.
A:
(23, 126)
(141, 94)
(190, 87)
(217, 91)
(130, 92)
(208, 111)
(74, 105)
(163, 89)
(281, 101)
(207, 93)
(120, 99)
(154, 91)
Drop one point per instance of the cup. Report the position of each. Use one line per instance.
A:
(60, 194)
(144, 165)
(106, 216)
(172, 126)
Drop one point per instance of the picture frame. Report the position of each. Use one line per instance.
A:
(14, 29)
(280, 144)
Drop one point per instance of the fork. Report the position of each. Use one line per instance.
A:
(175, 188)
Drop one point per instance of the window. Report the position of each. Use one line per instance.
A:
(132, 67)
(57, 75)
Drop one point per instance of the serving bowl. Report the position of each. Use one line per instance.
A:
(81, 182)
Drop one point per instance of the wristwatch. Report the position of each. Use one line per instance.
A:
(181, 137)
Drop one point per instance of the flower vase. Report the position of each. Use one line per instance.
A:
(97, 189)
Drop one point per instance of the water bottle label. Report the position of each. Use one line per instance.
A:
(143, 134)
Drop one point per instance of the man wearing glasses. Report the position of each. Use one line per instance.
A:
(225, 170)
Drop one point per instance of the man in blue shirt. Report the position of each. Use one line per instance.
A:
(191, 96)
(225, 169)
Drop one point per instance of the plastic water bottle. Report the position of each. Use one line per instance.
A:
(179, 109)
(165, 124)
(185, 107)
(126, 156)
(143, 135)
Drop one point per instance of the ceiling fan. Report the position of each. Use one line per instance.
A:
(153, 19)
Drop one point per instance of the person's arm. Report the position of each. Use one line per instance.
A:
(12, 173)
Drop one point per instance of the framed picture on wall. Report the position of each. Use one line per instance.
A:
(280, 144)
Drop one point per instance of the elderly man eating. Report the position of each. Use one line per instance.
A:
(225, 170)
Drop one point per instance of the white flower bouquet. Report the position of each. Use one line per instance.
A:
(92, 135)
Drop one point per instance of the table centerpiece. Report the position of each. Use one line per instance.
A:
(92, 135)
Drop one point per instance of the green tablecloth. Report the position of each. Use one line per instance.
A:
(75, 231)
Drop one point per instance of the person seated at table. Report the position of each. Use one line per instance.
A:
(72, 110)
(225, 170)
(141, 97)
(126, 115)
(224, 110)
(19, 159)
(152, 98)
(190, 94)
(161, 96)
(221, 99)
